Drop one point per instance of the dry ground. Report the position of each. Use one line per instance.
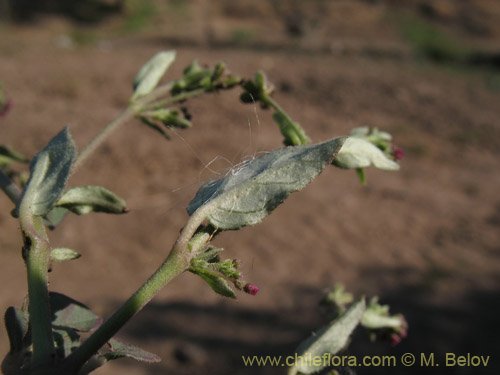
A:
(425, 239)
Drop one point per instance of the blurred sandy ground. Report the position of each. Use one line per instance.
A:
(424, 239)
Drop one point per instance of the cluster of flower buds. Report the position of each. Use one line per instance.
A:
(257, 90)
(197, 77)
(170, 118)
(383, 325)
(376, 317)
(381, 139)
(220, 274)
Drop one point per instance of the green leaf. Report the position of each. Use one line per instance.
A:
(227, 268)
(170, 118)
(329, 339)
(249, 194)
(151, 73)
(62, 254)
(292, 131)
(16, 323)
(216, 282)
(377, 316)
(338, 298)
(210, 255)
(146, 121)
(121, 350)
(68, 313)
(359, 153)
(50, 170)
(54, 217)
(66, 341)
(82, 200)
(8, 156)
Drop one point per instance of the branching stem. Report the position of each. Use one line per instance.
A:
(176, 263)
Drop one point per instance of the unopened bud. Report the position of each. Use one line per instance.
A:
(251, 289)
(397, 153)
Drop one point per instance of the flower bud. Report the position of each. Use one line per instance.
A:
(251, 289)
(397, 153)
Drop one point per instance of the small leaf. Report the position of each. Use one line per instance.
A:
(121, 350)
(151, 73)
(154, 126)
(82, 200)
(8, 156)
(170, 118)
(227, 268)
(209, 255)
(216, 282)
(55, 216)
(16, 323)
(292, 131)
(338, 298)
(50, 170)
(71, 314)
(359, 153)
(329, 339)
(66, 341)
(62, 254)
(248, 195)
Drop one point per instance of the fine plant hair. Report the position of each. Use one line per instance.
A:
(53, 334)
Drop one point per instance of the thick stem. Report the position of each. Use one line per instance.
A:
(176, 263)
(9, 188)
(36, 252)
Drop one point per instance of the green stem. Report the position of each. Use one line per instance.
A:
(174, 99)
(156, 94)
(36, 252)
(271, 102)
(9, 188)
(176, 263)
(99, 138)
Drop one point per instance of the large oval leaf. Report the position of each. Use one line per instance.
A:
(50, 170)
(329, 339)
(247, 195)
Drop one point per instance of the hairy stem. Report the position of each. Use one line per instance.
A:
(9, 188)
(271, 102)
(36, 253)
(174, 99)
(176, 263)
(99, 138)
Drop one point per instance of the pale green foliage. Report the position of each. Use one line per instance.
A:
(50, 170)
(85, 199)
(249, 194)
(151, 73)
(360, 153)
(329, 339)
(62, 254)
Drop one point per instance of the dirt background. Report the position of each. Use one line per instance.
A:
(424, 239)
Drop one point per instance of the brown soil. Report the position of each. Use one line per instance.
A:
(425, 239)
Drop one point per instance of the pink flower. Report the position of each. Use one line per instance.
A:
(251, 289)
(397, 153)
